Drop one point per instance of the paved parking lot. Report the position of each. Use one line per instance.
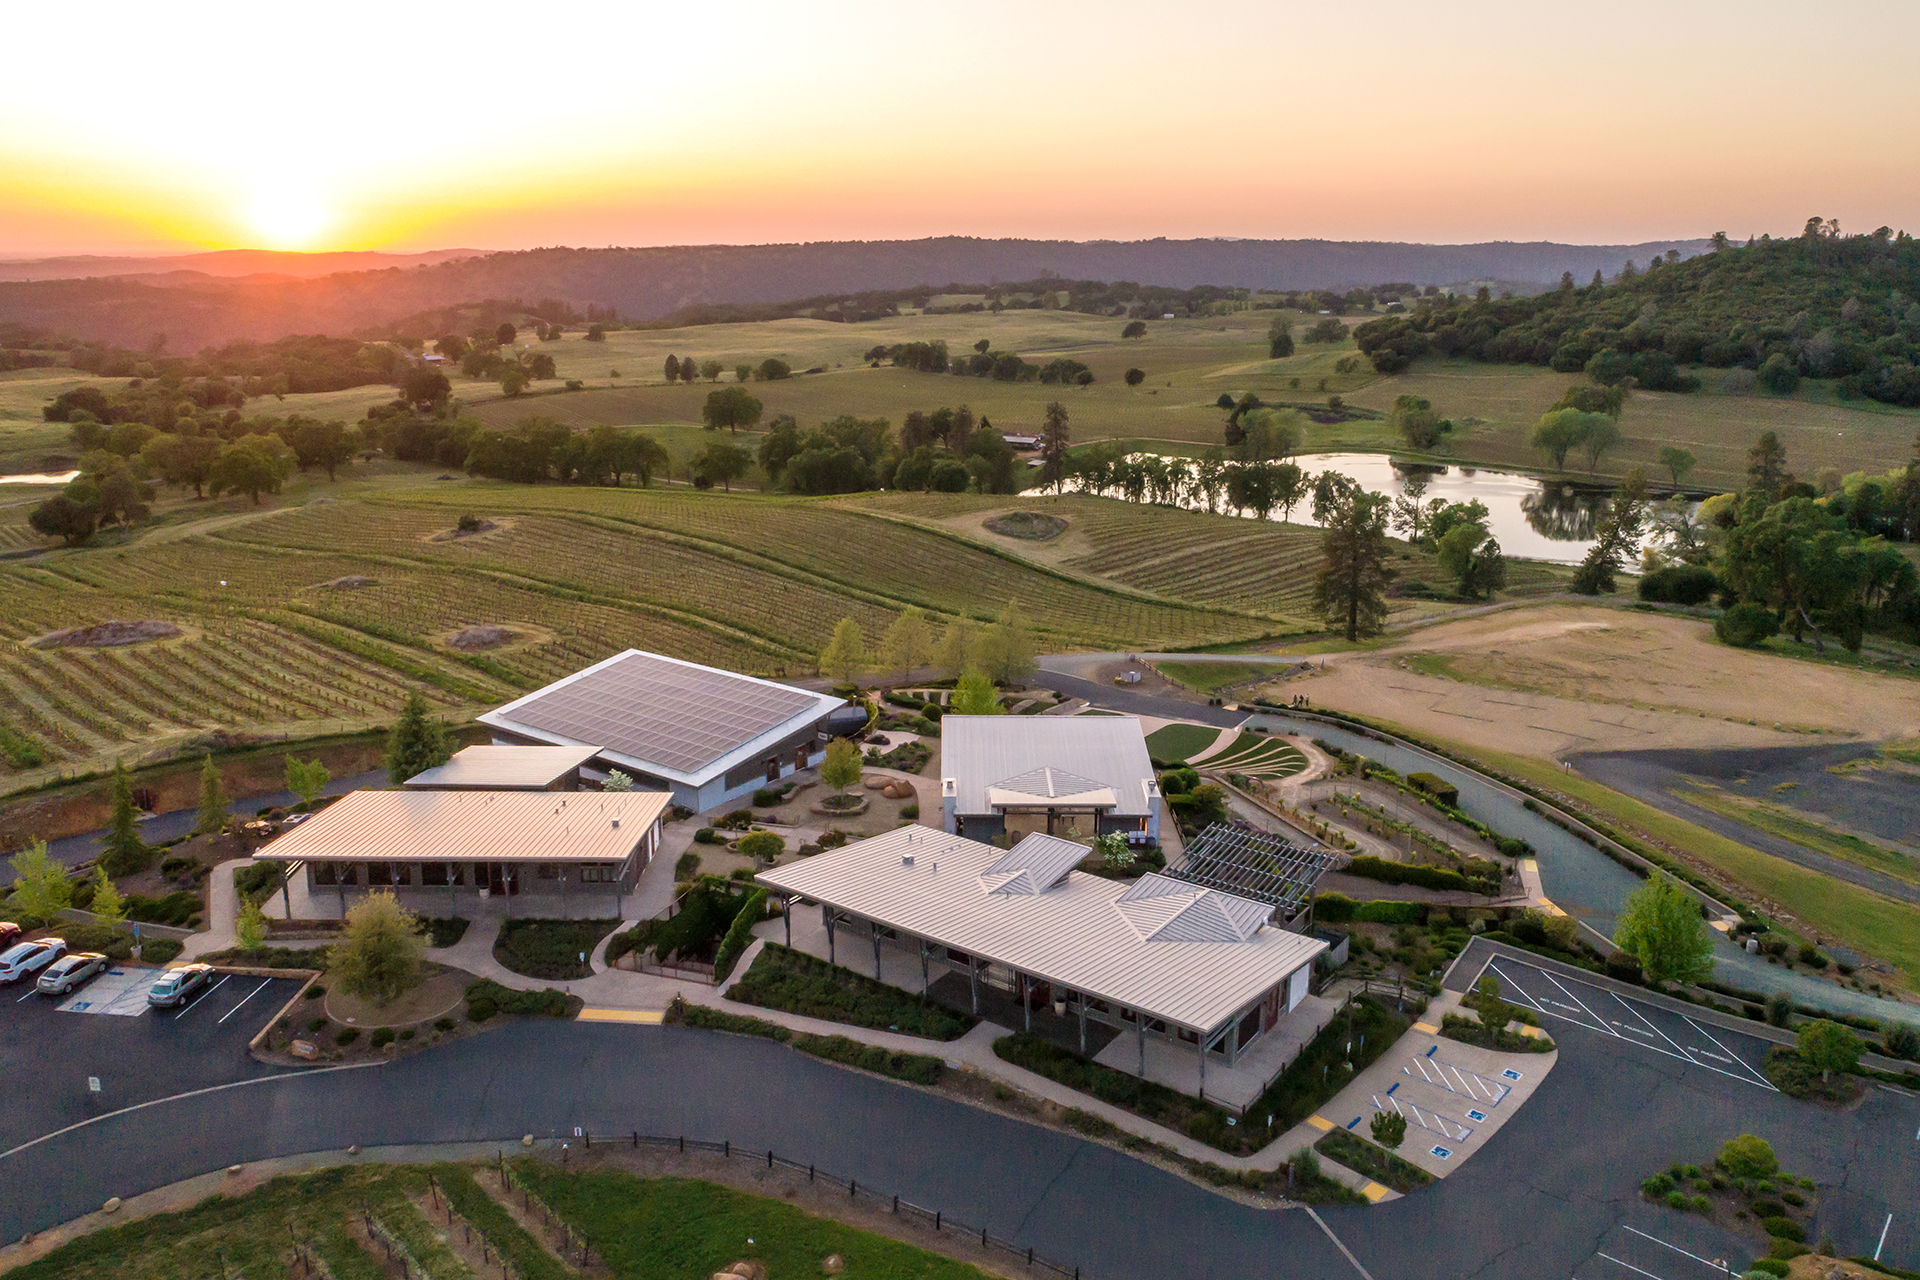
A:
(1622, 1017)
(51, 1045)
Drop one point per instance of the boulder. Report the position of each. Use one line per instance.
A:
(833, 1264)
(112, 1205)
(876, 782)
(305, 1049)
(745, 1269)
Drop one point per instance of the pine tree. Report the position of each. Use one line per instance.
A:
(213, 800)
(107, 906)
(416, 743)
(1351, 592)
(123, 852)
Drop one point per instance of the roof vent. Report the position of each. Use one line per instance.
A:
(616, 824)
(906, 859)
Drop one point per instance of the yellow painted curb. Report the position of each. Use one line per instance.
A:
(1427, 1027)
(1535, 1032)
(1374, 1192)
(651, 1017)
(1321, 1123)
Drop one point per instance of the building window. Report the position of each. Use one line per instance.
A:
(325, 873)
(403, 873)
(600, 873)
(379, 873)
(433, 873)
(349, 875)
(549, 871)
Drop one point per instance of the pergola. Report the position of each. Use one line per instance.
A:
(1244, 860)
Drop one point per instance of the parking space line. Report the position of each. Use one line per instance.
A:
(202, 996)
(1643, 1019)
(250, 995)
(1628, 1265)
(31, 992)
(1736, 1058)
(1721, 1267)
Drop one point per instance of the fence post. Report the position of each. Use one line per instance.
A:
(769, 1157)
(853, 1188)
(727, 1148)
(983, 1237)
(809, 1173)
(936, 1222)
(589, 1137)
(636, 1139)
(683, 1144)
(896, 1204)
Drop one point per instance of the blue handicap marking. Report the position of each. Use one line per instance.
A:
(83, 1006)
(1444, 1153)
(1351, 1123)
(1433, 1051)
(1396, 1085)
(1476, 1115)
(1511, 1074)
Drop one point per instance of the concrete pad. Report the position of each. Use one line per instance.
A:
(648, 1017)
(120, 992)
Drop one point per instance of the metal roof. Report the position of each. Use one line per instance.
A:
(1075, 933)
(1258, 864)
(502, 826)
(505, 767)
(1034, 865)
(1159, 906)
(663, 716)
(1076, 761)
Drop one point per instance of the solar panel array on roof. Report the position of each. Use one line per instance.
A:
(678, 716)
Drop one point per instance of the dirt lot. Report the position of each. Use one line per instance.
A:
(1553, 679)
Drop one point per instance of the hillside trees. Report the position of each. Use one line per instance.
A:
(1053, 446)
(252, 465)
(1280, 339)
(720, 462)
(1615, 539)
(731, 407)
(417, 742)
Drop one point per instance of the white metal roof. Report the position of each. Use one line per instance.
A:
(1035, 865)
(1067, 761)
(1194, 971)
(504, 767)
(663, 716)
(503, 826)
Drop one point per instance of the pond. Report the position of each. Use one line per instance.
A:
(1533, 519)
(28, 478)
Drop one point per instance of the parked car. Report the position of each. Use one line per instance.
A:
(9, 933)
(28, 958)
(69, 972)
(175, 985)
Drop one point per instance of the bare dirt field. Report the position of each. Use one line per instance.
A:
(1548, 680)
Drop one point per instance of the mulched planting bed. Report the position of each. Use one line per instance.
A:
(781, 978)
(549, 948)
(1373, 1160)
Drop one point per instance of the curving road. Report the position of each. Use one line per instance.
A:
(1553, 1186)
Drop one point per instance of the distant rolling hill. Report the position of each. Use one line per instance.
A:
(223, 263)
(250, 296)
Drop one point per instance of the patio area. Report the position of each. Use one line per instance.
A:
(1236, 1086)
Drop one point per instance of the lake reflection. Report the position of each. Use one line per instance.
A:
(1551, 521)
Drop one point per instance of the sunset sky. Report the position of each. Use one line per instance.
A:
(405, 127)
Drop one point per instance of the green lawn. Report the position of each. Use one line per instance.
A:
(1211, 677)
(1259, 755)
(1177, 742)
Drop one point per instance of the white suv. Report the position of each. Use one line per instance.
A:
(29, 958)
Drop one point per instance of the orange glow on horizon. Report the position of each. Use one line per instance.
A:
(745, 122)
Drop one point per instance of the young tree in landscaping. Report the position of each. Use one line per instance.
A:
(1828, 1047)
(107, 905)
(40, 885)
(841, 767)
(307, 780)
(1053, 447)
(974, 695)
(1495, 1013)
(417, 742)
(845, 656)
(956, 649)
(249, 924)
(1676, 461)
(907, 643)
(1748, 1157)
(1389, 1128)
(213, 800)
(1007, 649)
(618, 781)
(123, 852)
(380, 949)
(1661, 927)
(1351, 591)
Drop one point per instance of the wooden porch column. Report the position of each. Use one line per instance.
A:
(973, 982)
(1203, 1066)
(1080, 998)
(923, 969)
(1026, 1005)
(826, 913)
(876, 949)
(786, 914)
(1140, 1030)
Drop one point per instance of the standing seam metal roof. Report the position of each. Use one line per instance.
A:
(1074, 934)
(491, 826)
(506, 767)
(986, 753)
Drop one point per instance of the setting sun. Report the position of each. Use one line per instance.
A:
(289, 217)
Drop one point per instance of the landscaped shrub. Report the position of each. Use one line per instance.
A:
(763, 846)
(443, 1024)
(177, 908)
(1376, 1162)
(159, 950)
(1746, 625)
(782, 978)
(686, 866)
(1784, 1228)
(1387, 872)
(918, 1068)
(346, 1036)
(493, 998)
(768, 797)
(738, 820)
(445, 931)
(739, 934)
(706, 835)
(1437, 787)
(910, 811)
(1679, 584)
(381, 1038)
(549, 948)
(694, 932)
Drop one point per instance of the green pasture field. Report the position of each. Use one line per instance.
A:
(1179, 741)
(1803, 829)
(1211, 677)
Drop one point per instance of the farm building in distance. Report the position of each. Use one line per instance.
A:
(583, 846)
(499, 768)
(708, 736)
(1163, 977)
(1058, 775)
